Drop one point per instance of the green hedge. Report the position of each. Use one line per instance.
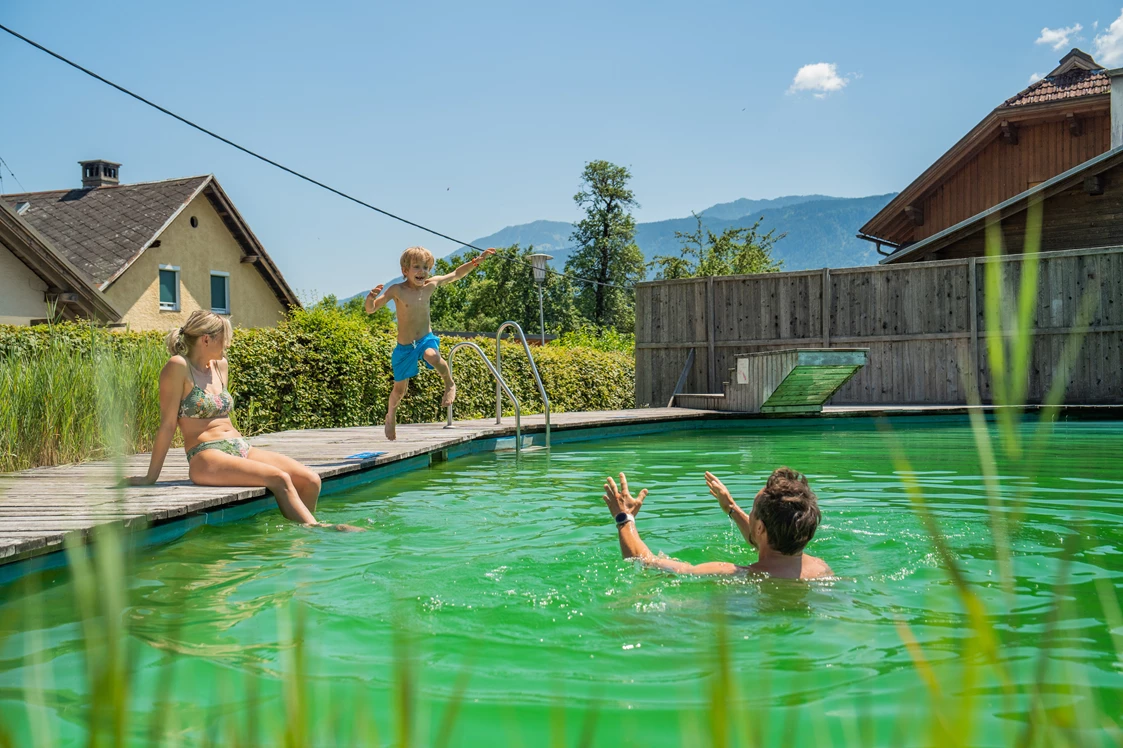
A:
(71, 392)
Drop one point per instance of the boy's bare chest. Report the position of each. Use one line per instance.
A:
(413, 299)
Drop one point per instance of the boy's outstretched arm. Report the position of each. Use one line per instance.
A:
(377, 298)
(464, 269)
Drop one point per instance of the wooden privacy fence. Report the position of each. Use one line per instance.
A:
(922, 322)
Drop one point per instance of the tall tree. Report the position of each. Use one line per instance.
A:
(500, 290)
(737, 251)
(606, 251)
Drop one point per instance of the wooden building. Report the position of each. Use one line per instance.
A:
(1081, 208)
(1045, 143)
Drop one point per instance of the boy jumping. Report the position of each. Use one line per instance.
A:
(416, 341)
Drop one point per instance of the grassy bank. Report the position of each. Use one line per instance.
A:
(65, 386)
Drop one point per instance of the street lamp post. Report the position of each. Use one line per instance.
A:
(539, 263)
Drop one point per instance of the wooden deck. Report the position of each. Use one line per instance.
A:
(40, 507)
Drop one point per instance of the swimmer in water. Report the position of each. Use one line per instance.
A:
(783, 519)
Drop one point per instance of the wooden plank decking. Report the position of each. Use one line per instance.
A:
(40, 507)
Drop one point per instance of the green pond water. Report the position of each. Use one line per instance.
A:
(507, 572)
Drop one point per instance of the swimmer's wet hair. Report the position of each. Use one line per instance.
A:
(417, 253)
(789, 510)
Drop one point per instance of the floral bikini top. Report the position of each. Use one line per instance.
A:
(202, 404)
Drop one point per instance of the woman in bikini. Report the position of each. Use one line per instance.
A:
(194, 397)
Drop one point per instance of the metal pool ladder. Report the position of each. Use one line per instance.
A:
(533, 370)
(499, 384)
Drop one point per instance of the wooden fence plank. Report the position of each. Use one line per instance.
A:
(710, 333)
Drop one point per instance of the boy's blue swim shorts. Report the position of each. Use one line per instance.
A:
(405, 358)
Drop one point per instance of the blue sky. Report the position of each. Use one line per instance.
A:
(474, 116)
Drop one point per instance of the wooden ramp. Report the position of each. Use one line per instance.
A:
(796, 380)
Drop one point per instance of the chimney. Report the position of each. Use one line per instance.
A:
(99, 173)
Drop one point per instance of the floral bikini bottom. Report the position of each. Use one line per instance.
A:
(237, 447)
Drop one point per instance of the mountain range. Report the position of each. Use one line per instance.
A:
(819, 230)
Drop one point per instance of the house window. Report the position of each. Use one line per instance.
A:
(169, 287)
(220, 292)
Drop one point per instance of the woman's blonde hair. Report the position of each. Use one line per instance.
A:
(181, 340)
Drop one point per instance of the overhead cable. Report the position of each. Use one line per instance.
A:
(5, 165)
(284, 168)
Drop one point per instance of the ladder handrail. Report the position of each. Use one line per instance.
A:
(533, 370)
(499, 382)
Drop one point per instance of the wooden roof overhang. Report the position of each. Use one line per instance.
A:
(252, 249)
(1016, 204)
(892, 225)
(74, 293)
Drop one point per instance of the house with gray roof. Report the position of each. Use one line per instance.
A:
(142, 255)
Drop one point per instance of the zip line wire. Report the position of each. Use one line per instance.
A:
(5, 165)
(284, 168)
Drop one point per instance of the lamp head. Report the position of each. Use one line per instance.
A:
(539, 262)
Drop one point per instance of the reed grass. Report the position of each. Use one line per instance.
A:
(63, 404)
(946, 717)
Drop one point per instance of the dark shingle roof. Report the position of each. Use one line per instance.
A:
(101, 230)
(1074, 84)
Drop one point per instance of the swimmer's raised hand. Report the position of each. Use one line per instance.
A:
(619, 499)
(720, 492)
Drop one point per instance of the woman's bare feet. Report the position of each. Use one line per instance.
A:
(450, 396)
(391, 427)
(337, 528)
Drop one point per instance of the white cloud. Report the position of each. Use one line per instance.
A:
(821, 78)
(1034, 77)
(1109, 44)
(1059, 38)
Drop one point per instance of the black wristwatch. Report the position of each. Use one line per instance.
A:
(624, 518)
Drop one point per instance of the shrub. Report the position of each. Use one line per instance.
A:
(322, 369)
(601, 339)
(73, 392)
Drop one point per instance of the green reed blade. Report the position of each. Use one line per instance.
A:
(37, 685)
(1113, 615)
(452, 709)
